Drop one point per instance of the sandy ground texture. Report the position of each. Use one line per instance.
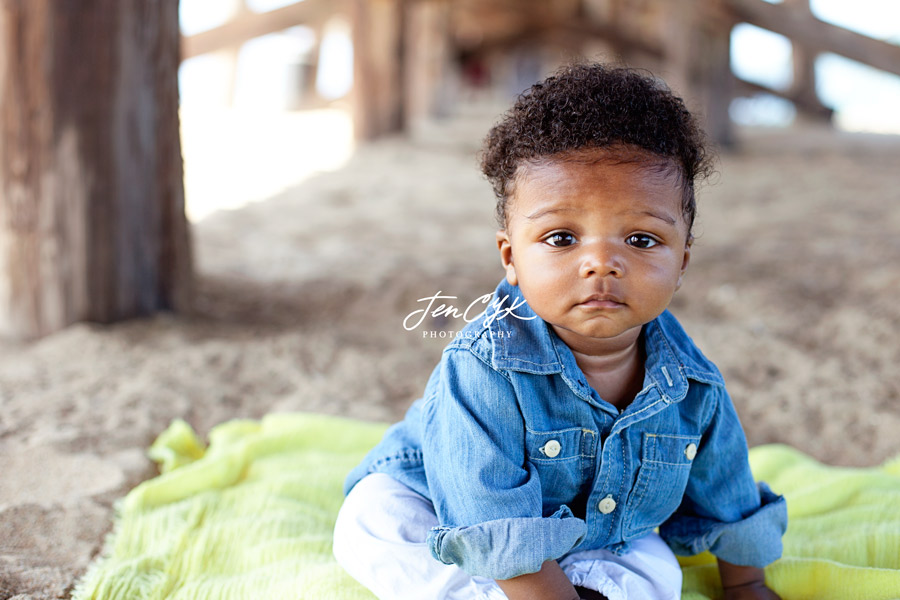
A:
(793, 291)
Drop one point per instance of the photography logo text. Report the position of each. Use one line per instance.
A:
(439, 306)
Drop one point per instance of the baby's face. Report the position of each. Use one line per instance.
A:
(598, 249)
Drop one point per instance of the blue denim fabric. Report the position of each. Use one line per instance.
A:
(519, 454)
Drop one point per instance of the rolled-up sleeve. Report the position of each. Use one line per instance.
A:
(724, 510)
(487, 496)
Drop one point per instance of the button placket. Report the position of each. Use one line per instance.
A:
(607, 505)
(690, 451)
(551, 449)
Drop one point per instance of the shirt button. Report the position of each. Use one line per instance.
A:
(690, 451)
(607, 505)
(551, 449)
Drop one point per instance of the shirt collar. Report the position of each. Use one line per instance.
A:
(522, 341)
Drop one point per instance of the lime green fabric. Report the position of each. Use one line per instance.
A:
(843, 536)
(250, 516)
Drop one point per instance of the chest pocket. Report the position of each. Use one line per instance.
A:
(564, 461)
(663, 475)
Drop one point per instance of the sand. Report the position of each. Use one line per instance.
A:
(301, 298)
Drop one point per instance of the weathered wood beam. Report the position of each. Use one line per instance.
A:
(803, 102)
(251, 25)
(617, 35)
(817, 35)
(428, 60)
(92, 223)
(577, 28)
(678, 43)
(715, 83)
(803, 87)
(379, 67)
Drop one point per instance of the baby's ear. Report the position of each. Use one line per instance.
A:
(506, 257)
(686, 261)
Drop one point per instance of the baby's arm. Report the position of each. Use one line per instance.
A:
(550, 583)
(744, 583)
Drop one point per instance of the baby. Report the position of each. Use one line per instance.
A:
(568, 448)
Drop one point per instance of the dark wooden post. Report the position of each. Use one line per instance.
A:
(715, 82)
(379, 58)
(803, 86)
(697, 62)
(92, 223)
(677, 36)
(427, 58)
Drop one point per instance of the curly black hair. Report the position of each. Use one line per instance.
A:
(589, 105)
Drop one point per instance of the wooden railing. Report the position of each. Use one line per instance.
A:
(810, 37)
(390, 75)
(246, 25)
(802, 27)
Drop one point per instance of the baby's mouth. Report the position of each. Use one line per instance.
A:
(602, 301)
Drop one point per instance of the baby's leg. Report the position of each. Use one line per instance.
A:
(648, 570)
(379, 539)
(589, 594)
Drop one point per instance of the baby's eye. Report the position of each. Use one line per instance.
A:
(560, 239)
(641, 240)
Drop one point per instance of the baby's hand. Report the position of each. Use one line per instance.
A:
(744, 583)
(750, 591)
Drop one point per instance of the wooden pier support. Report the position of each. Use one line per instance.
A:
(92, 223)
(379, 66)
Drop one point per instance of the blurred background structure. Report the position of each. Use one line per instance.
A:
(330, 184)
(414, 60)
(91, 196)
(298, 77)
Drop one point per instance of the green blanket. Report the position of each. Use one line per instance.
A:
(250, 516)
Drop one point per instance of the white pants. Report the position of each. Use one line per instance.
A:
(379, 538)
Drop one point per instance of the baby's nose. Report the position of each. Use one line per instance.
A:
(601, 259)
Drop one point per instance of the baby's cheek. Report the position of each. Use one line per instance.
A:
(662, 284)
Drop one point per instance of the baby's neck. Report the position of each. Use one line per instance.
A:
(617, 375)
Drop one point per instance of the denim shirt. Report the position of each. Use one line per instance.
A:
(524, 462)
